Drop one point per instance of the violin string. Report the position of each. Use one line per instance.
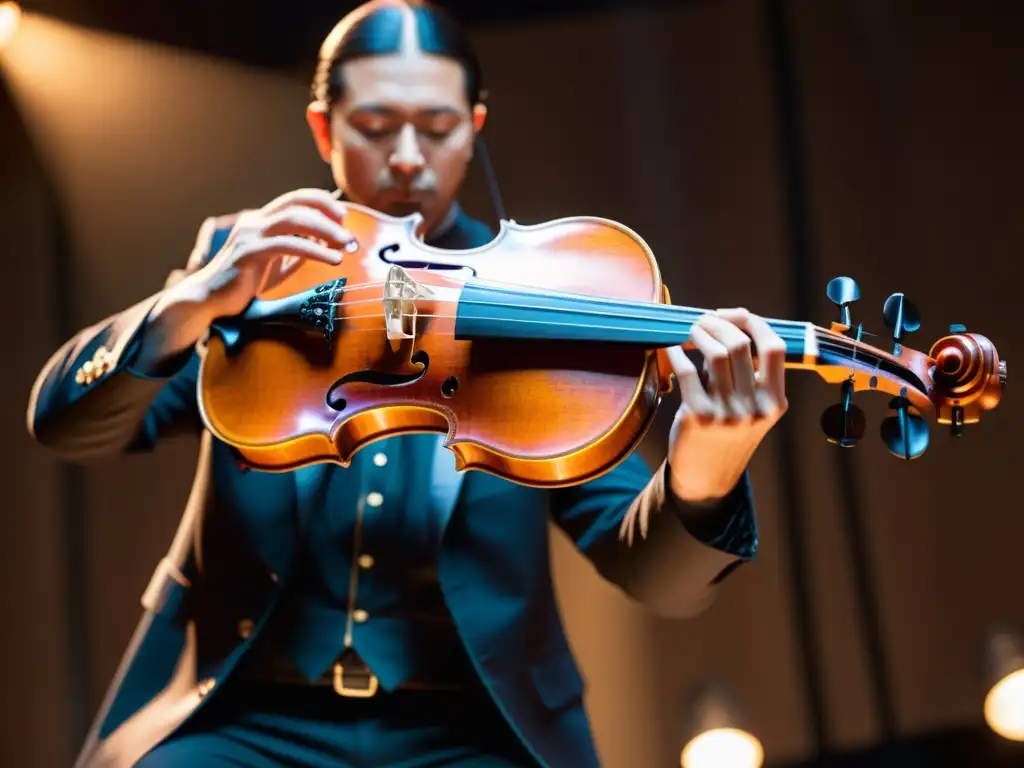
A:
(786, 336)
(670, 311)
(792, 330)
(822, 344)
(553, 323)
(845, 349)
(667, 309)
(867, 360)
(789, 330)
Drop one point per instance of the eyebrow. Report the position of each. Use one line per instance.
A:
(386, 111)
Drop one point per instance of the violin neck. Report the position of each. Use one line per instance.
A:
(489, 312)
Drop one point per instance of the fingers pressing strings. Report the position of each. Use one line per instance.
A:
(730, 365)
(736, 387)
(691, 388)
(771, 358)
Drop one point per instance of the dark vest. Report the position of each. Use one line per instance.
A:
(366, 574)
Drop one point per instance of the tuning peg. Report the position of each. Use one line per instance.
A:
(843, 291)
(844, 423)
(905, 434)
(901, 316)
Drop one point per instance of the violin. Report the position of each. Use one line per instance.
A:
(540, 355)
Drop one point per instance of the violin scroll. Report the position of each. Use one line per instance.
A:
(968, 378)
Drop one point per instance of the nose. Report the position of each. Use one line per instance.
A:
(407, 159)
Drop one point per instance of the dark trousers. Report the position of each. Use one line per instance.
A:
(264, 726)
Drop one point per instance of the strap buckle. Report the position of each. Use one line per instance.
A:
(342, 689)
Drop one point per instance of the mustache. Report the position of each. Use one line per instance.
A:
(424, 181)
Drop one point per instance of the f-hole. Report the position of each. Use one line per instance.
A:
(335, 393)
(385, 255)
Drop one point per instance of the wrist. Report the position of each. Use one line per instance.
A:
(704, 471)
(699, 492)
(726, 523)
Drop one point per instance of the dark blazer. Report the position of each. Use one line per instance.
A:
(212, 594)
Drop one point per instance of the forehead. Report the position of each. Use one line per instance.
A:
(404, 80)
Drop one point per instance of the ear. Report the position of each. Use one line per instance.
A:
(320, 124)
(479, 117)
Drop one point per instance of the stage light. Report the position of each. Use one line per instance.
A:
(10, 20)
(1004, 704)
(716, 737)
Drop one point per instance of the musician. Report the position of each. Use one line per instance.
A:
(395, 612)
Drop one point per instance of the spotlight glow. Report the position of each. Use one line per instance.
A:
(1004, 707)
(723, 748)
(10, 20)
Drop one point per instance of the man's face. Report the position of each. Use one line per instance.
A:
(402, 135)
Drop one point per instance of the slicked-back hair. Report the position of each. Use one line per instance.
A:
(380, 33)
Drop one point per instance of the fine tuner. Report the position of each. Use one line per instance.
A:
(957, 364)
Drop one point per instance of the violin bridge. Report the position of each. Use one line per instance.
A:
(400, 295)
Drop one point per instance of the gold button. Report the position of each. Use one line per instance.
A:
(102, 362)
(380, 459)
(245, 628)
(359, 615)
(366, 561)
(103, 359)
(206, 686)
(374, 499)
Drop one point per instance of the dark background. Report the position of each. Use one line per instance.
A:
(760, 148)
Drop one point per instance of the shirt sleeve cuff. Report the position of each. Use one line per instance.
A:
(728, 524)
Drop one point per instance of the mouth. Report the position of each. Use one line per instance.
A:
(407, 194)
(405, 198)
(403, 207)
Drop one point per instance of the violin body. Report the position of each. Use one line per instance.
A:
(316, 380)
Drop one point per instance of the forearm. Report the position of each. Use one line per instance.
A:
(678, 553)
(176, 321)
